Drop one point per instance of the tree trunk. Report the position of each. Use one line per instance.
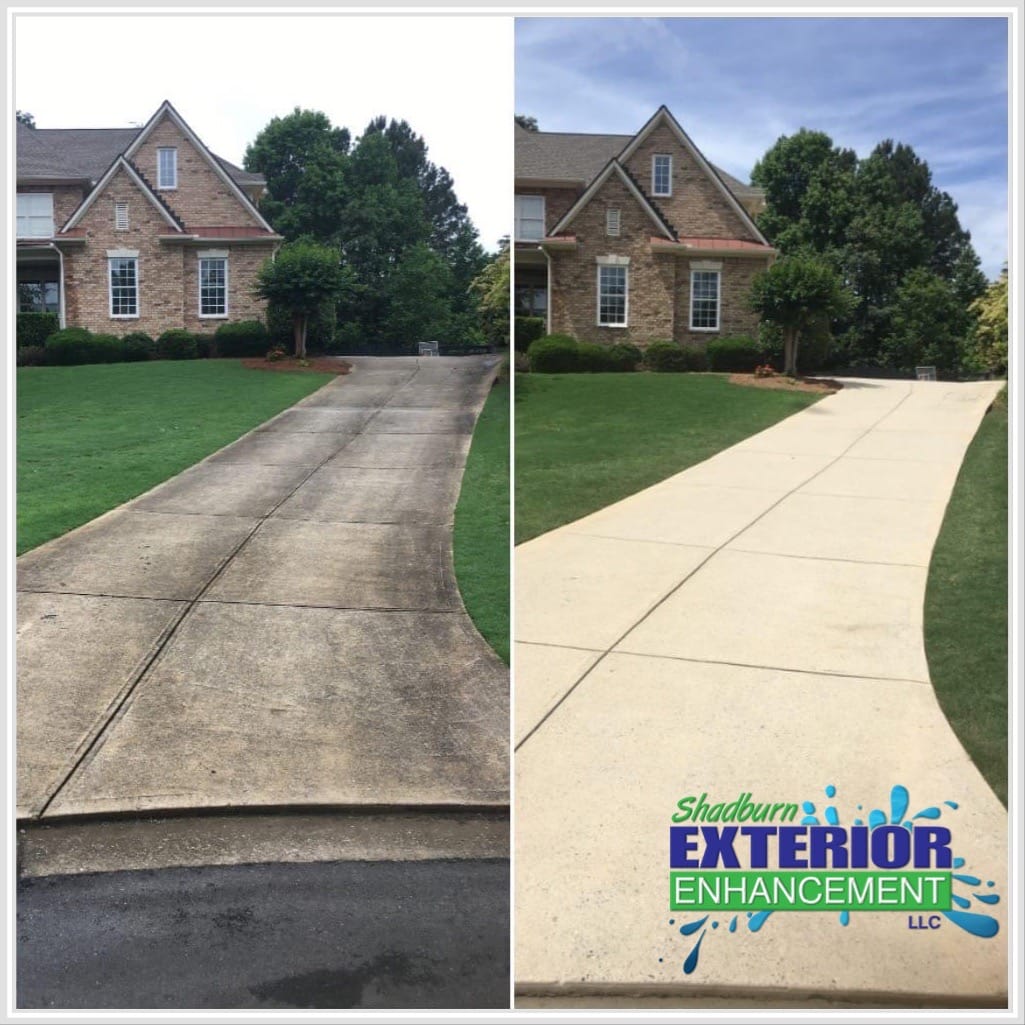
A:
(298, 333)
(306, 321)
(790, 352)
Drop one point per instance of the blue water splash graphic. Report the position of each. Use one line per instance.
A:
(972, 922)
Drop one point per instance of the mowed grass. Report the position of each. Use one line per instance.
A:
(584, 441)
(966, 603)
(481, 540)
(92, 437)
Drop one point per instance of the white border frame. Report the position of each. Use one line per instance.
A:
(119, 254)
(613, 261)
(655, 157)
(213, 254)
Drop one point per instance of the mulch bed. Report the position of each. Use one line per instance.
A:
(781, 383)
(315, 364)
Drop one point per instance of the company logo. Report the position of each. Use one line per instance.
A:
(745, 860)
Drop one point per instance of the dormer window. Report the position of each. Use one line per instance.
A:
(661, 175)
(167, 168)
(35, 214)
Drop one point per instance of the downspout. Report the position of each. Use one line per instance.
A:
(60, 300)
(548, 290)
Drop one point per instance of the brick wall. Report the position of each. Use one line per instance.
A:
(201, 198)
(697, 207)
(87, 302)
(735, 314)
(651, 279)
(244, 263)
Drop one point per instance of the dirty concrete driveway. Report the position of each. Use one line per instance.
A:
(278, 626)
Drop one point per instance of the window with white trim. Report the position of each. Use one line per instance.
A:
(612, 221)
(167, 167)
(661, 175)
(530, 218)
(124, 286)
(35, 215)
(704, 300)
(121, 216)
(613, 283)
(213, 286)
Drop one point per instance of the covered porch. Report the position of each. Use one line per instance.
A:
(40, 280)
(530, 282)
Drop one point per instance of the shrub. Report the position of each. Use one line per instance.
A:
(527, 330)
(34, 328)
(554, 354)
(137, 346)
(75, 345)
(243, 338)
(741, 354)
(520, 363)
(665, 358)
(276, 354)
(31, 356)
(205, 345)
(177, 344)
(625, 357)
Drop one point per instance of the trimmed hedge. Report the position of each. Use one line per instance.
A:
(31, 356)
(34, 328)
(75, 345)
(625, 357)
(137, 346)
(527, 330)
(177, 344)
(243, 338)
(740, 354)
(665, 357)
(554, 354)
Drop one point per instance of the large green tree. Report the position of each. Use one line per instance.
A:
(384, 206)
(988, 347)
(874, 221)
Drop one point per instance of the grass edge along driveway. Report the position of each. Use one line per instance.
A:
(584, 441)
(92, 437)
(966, 602)
(480, 540)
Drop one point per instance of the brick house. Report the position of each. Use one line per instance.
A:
(634, 237)
(125, 229)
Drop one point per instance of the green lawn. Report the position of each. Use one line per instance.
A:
(966, 603)
(584, 441)
(481, 539)
(92, 437)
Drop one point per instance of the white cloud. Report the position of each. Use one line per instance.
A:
(449, 77)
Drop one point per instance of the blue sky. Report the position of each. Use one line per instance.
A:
(737, 84)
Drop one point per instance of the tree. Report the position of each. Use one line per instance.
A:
(300, 279)
(302, 157)
(874, 221)
(794, 294)
(416, 304)
(988, 346)
(491, 290)
(526, 122)
(23, 117)
(928, 324)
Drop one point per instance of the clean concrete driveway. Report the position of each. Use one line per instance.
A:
(753, 624)
(278, 626)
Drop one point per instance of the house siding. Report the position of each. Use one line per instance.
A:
(201, 198)
(244, 263)
(160, 274)
(697, 206)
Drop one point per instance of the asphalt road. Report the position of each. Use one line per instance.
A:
(413, 934)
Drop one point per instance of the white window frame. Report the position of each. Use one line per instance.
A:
(121, 217)
(162, 181)
(707, 267)
(622, 263)
(613, 221)
(211, 254)
(669, 174)
(520, 218)
(27, 218)
(112, 256)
